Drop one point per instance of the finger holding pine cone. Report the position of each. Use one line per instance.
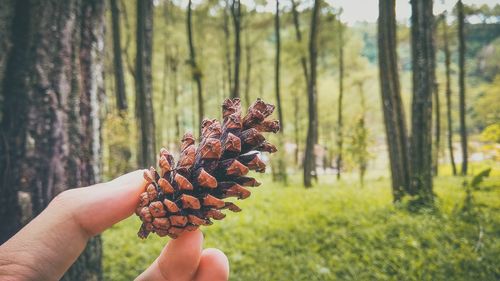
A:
(184, 195)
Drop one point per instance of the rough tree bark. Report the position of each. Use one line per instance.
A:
(392, 105)
(195, 70)
(340, 137)
(236, 13)
(461, 84)
(121, 94)
(423, 83)
(143, 82)
(447, 59)
(53, 85)
(296, 129)
(312, 129)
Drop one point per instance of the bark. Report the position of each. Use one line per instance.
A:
(121, 94)
(53, 86)
(195, 70)
(312, 130)
(461, 85)
(447, 59)
(236, 14)
(423, 84)
(227, 47)
(392, 105)
(340, 137)
(144, 95)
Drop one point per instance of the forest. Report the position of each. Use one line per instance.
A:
(388, 154)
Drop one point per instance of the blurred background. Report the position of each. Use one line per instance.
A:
(388, 162)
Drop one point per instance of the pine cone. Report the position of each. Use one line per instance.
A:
(183, 197)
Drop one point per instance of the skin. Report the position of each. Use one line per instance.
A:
(46, 247)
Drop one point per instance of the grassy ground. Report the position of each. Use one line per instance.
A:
(339, 231)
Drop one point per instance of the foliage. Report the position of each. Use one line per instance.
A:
(491, 133)
(336, 232)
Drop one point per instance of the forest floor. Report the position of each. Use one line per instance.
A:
(340, 231)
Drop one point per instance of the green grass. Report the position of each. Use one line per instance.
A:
(338, 231)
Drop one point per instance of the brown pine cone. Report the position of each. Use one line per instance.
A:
(190, 193)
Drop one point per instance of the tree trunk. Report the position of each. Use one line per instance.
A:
(298, 36)
(121, 94)
(282, 175)
(296, 129)
(195, 70)
(236, 13)
(423, 83)
(447, 59)
(437, 129)
(174, 68)
(461, 84)
(341, 95)
(312, 130)
(392, 105)
(227, 47)
(248, 61)
(51, 139)
(144, 95)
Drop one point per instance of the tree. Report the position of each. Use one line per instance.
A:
(461, 84)
(341, 95)
(52, 89)
(298, 36)
(143, 84)
(446, 50)
(121, 94)
(437, 107)
(423, 84)
(227, 49)
(281, 161)
(392, 106)
(195, 70)
(312, 128)
(236, 13)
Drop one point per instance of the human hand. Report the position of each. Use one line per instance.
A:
(46, 247)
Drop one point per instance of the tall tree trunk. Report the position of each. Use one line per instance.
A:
(248, 61)
(423, 83)
(174, 68)
(447, 60)
(236, 13)
(227, 47)
(53, 86)
(340, 137)
(298, 36)
(195, 70)
(312, 129)
(296, 129)
(281, 161)
(437, 129)
(143, 81)
(121, 94)
(392, 105)
(461, 84)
